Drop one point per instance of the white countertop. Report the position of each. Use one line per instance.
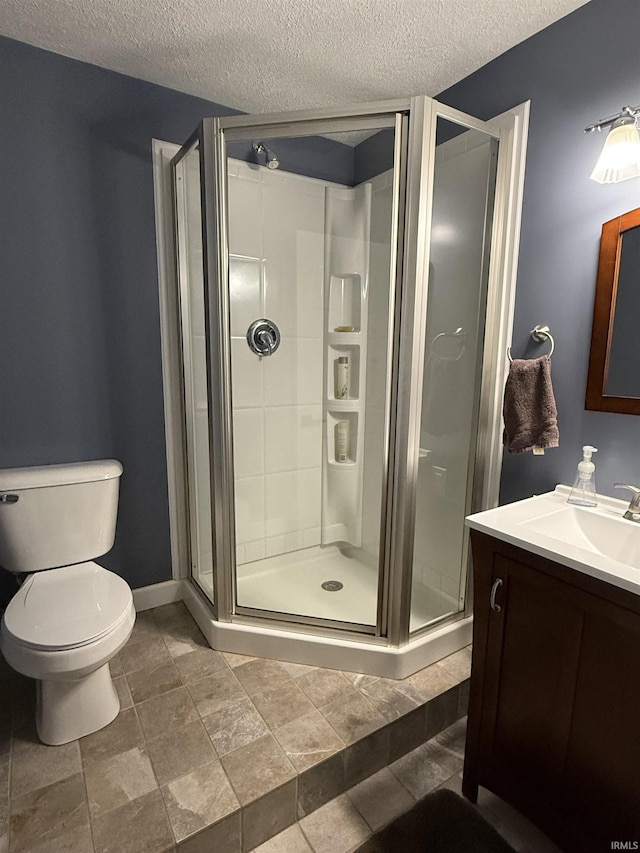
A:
(596, 541)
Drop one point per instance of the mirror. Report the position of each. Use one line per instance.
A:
(613, 384)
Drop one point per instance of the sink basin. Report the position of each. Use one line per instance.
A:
(597, 541)
(598, 532)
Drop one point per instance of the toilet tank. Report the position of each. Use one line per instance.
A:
(57, 515)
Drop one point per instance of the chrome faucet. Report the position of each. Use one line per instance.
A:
(633, 512)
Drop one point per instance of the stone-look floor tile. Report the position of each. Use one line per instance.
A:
(353, 718)
(115, 781)
(235, 660)
(216, 692)
(168, 614)
(4, 791)
(407, 733)
(324, 686)
(321, 783)
(165, 713)
(122, 734)
(124, 694)
(261, 674)
(147, 653)
(183, 636)
(454, 737)
(144, 626)
(258, 768)
(4, 836)
(198, 664)
(392, 698)
(359, 680)
(337, 827)
(295, 670)
(221, 837)
(115, 666)
(418, 772)
(441, 712)
(463, 699)
(308, 740)
(366, 756)
(198, 799)
(34, 765)
(140, 826)
(432, 680)
(268, 816)
(180, 751)
(458, 664)
(42, 817)
(147, 683)
(292, 840)
(281, 705)
(235, 726)
(380, 799)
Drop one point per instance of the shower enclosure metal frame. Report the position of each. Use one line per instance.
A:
(415, 123)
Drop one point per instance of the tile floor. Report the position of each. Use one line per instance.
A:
(220, 752)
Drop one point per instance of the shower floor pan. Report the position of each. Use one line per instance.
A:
(292, 583)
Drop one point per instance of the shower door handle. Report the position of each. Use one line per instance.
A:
(494, 589)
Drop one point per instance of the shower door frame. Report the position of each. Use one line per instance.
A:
(406, 344)
(213, 136)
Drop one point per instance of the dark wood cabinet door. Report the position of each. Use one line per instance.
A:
(554, 712)
(531, 665)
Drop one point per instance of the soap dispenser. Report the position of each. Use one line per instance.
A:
(583, 492)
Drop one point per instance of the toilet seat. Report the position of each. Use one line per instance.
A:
(67, 608)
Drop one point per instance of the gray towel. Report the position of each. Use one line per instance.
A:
(530, 414)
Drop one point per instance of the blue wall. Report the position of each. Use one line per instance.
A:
(80, 368)
(584, 67)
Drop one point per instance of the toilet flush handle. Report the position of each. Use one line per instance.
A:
(9, 499)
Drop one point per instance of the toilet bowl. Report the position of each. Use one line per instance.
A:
(62, 628)
(68, 620)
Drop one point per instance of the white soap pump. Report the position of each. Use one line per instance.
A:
(583, 492)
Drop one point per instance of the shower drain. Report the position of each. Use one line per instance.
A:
(332, 586)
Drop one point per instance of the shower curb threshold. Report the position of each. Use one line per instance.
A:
(308, 790)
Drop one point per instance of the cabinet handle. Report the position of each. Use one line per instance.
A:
(494, 589)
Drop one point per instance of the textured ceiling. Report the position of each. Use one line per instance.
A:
(269, 55)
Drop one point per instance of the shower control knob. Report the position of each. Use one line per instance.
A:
(263, 337)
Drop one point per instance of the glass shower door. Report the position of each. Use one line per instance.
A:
(460, 239)
(311, 281)
(191, 303)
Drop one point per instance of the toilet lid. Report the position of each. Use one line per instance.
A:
(67, 607)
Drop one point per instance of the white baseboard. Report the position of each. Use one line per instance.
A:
(146, 597)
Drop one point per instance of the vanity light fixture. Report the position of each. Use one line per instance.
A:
(620, 156)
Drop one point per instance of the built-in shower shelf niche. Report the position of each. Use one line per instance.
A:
(345, 303)
(334, 419)
(347, 246)
(352, 353)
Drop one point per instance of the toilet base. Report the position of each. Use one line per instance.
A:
(68, 710)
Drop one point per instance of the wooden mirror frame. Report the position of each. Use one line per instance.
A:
(603, 317)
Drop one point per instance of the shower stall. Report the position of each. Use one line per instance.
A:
(343, 284)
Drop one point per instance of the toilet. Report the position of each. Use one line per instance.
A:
(70, 616)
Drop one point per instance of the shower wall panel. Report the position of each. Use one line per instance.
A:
(276, 246)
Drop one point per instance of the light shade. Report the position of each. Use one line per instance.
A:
(620, 157)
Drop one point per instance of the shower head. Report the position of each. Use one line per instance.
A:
(272, 160)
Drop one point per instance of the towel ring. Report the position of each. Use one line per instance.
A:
(539, 334)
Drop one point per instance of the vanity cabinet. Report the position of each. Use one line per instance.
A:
(554, 709)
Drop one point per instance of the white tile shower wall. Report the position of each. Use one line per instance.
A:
(276, 239)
